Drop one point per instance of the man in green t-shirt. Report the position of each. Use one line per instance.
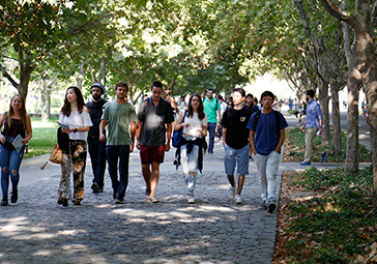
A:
(212, 109)
(118, 116)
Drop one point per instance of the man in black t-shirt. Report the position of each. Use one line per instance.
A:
(236, 142)
(97, 149)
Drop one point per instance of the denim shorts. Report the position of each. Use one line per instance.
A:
(239, 156)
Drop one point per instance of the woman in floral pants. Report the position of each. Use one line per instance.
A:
(74, 115)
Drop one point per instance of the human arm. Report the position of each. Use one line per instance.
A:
(169, 129)
(87, 124)
(29, 132)
(252, 142)
(133, 132)
(179, 123)
(224, 135)
(281, 140)
(2, 118)
(102, 136)
(138, 132)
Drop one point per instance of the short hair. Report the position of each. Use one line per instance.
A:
(219, 97)
(240, 90)
(250, 95)
(121, 84)
(267, 93)
(310, 93)
(210, 90)
(156, 84)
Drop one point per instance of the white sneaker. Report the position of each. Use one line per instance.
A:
(232, 192)
(190, 199)
(238, 199)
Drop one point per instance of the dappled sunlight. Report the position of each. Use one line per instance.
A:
(42, 253)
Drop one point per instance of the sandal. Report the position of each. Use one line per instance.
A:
(76, 202)
(63, 201)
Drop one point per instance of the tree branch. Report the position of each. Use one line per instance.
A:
(7, 75)
(338, 15)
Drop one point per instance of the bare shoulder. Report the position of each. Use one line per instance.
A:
(86, 109)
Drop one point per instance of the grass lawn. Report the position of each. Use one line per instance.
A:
(44, 137)
(326, 216)
(295, 148)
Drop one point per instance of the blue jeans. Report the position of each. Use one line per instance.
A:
(11, 160)
(97, 152)
(211, 131)
(121, 153)
(189, 162)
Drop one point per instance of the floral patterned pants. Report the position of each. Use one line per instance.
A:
(76, 161)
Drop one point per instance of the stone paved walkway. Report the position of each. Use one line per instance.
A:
(214, 230)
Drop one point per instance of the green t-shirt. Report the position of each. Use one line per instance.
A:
(210, 108)
(119, 117)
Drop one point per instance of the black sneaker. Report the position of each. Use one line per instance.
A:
(4, 202)
(14, 196)
(95, 187)
(271, 207)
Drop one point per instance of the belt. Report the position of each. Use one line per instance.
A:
(94, 136)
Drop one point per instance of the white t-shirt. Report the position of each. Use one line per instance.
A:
(76, 120)
(195, 124)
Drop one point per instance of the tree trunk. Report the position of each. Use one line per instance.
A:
(337, 137)
(80, 79)
(352, 155)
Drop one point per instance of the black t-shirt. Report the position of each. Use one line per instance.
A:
(237, 135)
(95, 112)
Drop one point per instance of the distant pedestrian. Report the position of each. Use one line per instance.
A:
(120, 117)
(192, 142)
(250, 104)
(223, 106)
(97, 148)
(75, 115)
(236, 143)
(267, 134)
(155, 117)
(212, 110)
(312, 124)
(182, 103)
(16, 121)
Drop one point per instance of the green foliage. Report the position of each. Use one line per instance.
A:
(296, 147)
(44, 137)
(333, 226)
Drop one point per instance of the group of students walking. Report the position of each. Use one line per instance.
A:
(115, 129)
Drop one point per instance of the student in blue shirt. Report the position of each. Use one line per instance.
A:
(267, 134)
(312, 124)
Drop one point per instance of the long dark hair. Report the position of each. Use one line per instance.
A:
(190, 110)
(22, 112)
(66, 109)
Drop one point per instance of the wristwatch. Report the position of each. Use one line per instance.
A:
(75, 130)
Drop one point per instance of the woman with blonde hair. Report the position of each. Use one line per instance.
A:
(16, 124)
(75, 121)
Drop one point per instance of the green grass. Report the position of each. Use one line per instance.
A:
(337, 225)
(44, 137)
(295, 142)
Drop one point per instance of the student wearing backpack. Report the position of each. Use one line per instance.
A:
(267, 134)
(236, 143)
(212, 109)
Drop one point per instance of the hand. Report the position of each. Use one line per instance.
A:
(185, 124)
(102, 138)
(199, 133)
(138, 145)
(132, 146)
(277, 151)
(321, 130)
(2, 139)
(218, 124)
(167, 147)
(254, 152)
(224, 143)
(25, 141)
(67, 130)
